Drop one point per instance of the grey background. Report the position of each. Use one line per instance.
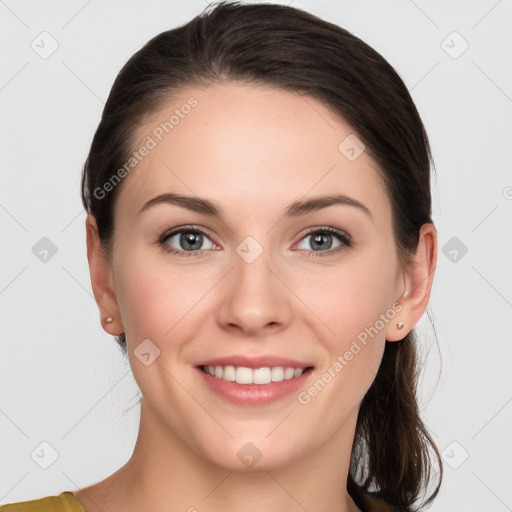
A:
(62, 379)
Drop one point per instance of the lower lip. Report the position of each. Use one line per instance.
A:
(254, 394)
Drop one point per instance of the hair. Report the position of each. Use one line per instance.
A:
(293, 50)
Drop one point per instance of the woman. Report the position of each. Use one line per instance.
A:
(260, 242)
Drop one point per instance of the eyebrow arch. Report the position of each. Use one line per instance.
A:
(317, 203)
(195, 204)
(297, 208)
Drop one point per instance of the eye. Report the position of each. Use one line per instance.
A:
(185, 240)
(325, 240)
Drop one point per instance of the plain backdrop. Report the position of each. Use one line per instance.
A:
(67, 395)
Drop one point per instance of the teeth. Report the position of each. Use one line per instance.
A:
(229, 373)
(243, 375)
(277, 374)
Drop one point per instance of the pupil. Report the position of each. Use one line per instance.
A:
(190, 240)
(322, 241)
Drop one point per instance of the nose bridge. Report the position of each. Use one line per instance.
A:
(252, 265)
(255, 296)
(253, 279)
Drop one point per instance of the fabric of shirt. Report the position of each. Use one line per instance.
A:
(66, 502)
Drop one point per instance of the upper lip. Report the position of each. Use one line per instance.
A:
(254, 362)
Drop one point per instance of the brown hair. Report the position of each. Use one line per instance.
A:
(293, 50)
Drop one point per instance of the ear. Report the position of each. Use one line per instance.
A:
(101, 280)
(418, 276)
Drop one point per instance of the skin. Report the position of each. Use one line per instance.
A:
(253, 150)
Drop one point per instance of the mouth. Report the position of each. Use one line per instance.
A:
(254, 380)
(254, 376)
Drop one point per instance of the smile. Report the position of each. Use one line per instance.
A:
(258, 376)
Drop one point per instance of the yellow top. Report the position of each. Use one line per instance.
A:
(64, 502)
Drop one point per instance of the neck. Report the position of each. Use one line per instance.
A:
(165, 474)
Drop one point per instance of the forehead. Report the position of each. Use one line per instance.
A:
(249, 144)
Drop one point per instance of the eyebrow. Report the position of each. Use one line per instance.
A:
(297, 208)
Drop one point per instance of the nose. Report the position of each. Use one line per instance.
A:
(255, 300)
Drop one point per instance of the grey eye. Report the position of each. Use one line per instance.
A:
(189, 240)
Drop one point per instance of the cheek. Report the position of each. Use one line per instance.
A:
(355, 305)
(352, 297)
(354, 352)
(155, 300)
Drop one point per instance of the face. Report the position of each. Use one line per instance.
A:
(263, 270)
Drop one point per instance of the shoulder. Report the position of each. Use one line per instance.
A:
(64, 502)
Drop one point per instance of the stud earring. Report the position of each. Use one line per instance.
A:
(400, 325)
(109, 320)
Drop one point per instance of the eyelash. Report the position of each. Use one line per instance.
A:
(184, 229)
(343, 237)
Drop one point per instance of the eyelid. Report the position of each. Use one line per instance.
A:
(180, 252)
(328, 229)
(178, 229)
(340, 233)
(344, 238)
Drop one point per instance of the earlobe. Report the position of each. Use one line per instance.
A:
(398, 329)
(100, 271)
(418, 276)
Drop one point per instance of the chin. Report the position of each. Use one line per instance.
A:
(245, 455)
